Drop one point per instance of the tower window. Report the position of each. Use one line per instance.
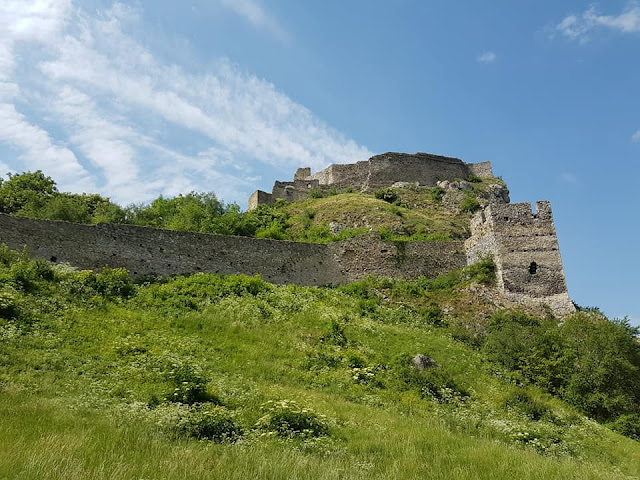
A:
(533, 268)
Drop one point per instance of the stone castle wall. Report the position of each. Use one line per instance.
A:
(148, 251)
(380, 171)
(525, 248)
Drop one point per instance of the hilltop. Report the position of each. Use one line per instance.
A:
(107, 374)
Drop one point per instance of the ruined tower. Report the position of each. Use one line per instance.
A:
(525, 249)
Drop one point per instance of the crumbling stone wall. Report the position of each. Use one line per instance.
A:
(148, 251)
(525, 249)
(380, 171)
(369, 255)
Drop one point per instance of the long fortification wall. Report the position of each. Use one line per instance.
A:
(148, 251)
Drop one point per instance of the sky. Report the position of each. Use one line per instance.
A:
(136, 99)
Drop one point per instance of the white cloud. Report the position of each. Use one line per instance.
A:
(39, 152)
(253, 12)
(137, 126)
(636, 136)
(580, 26)
(487, 57)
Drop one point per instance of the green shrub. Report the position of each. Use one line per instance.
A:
(189, 386)
(336, 335)
(315, 193)
(27, 273)
(433, 315)
(474, 179)
(8, 305)
(205, 422)
(286, 418)
(386, 194)
(436, 193)
(521, 401)
(8, 257)
(333, 192)
(628, 425)
(432, 383)
(469, 204)
(483, 271)
(114, 282)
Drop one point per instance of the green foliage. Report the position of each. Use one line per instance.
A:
(189, 386)
(433, 315)
(195, 291)
(433, 383)
(523, 402)
(469, 203)
(77, 378)
(205, 422)
(286, 418)
(315, 193)
(474, 179)
(8, 305)
(436, 193)
(605, 360)
(628, 425)
(336, 335)
(386, 194)
(20, 190)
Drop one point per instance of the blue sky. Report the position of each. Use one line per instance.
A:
(141, 98)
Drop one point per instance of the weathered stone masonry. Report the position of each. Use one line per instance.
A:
(523, 243)
(525, 249)
(378, 172)
(149, 251)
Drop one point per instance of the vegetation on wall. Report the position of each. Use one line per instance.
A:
(415, 214)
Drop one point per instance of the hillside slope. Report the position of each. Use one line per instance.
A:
(230, 377)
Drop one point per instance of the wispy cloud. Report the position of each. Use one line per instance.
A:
(636, 137)
(580, 26)
(569, 178)
(487, 57)
(83, 100)
(254, 13)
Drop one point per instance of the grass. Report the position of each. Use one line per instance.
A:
(85, 368)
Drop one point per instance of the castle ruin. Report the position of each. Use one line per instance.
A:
(522, 242)
(379, 171)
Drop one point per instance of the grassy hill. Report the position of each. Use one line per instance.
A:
(233, 378)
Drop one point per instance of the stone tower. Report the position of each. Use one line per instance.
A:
(526, 253)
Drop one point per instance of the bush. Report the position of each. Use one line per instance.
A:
(433, 315)
(469, 204)
(8, 305)
(386, 194)
(209, 423)
(189, 386)
(436, 194)
(287, 419)
(113, 282)
(336, 335)
(28, 273)
(628, 425)
(432, 383)
(520, 400)
(474, 179)
(315, 193)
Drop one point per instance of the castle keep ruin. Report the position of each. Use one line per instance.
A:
(378, 172)
(522, 242)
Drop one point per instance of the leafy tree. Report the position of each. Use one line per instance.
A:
(25, 188)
